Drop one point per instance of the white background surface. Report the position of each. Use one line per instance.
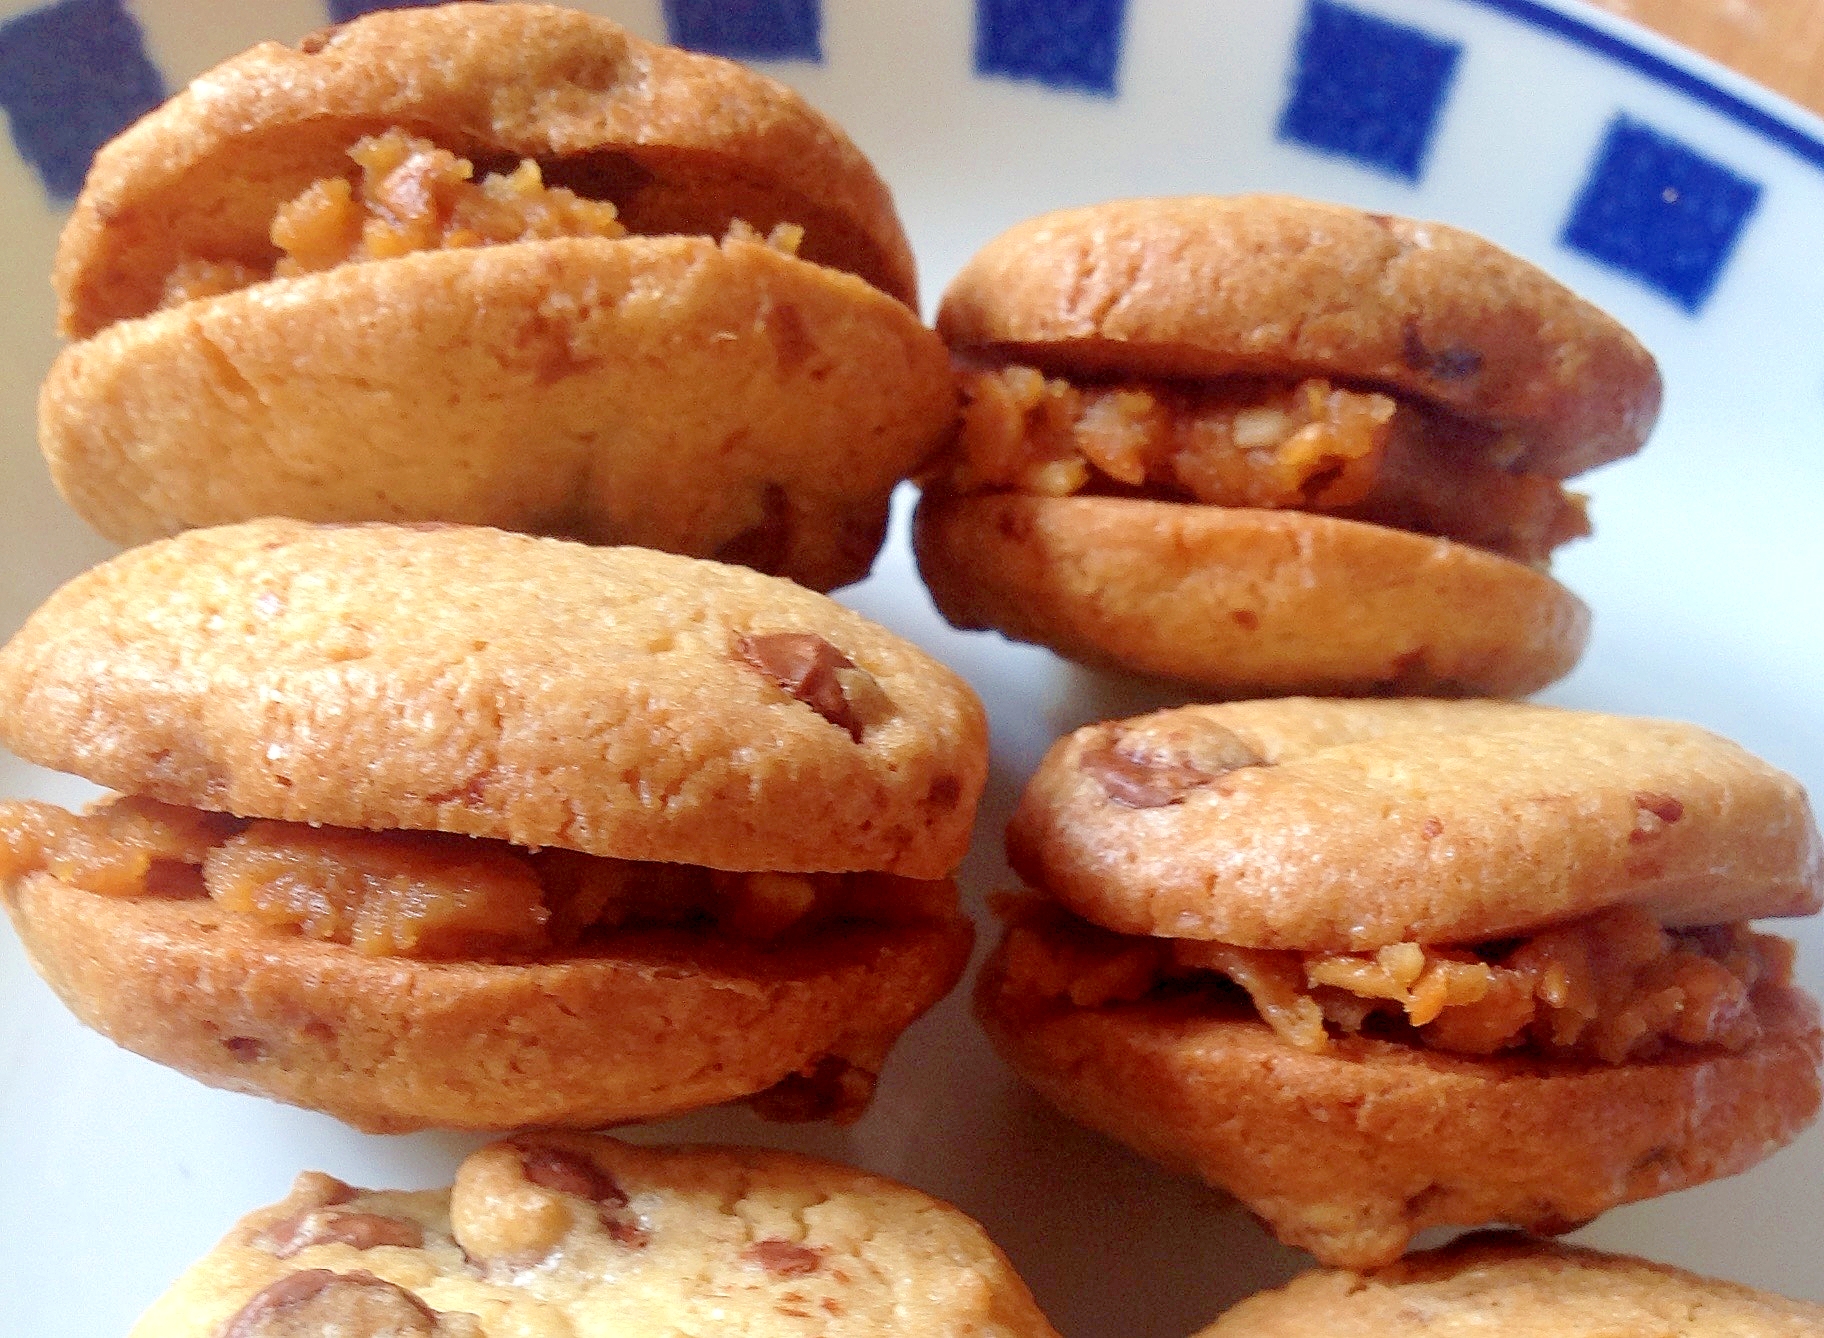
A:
(1704, 577)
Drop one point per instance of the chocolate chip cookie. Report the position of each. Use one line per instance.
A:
(1377, 966)
(565, 1234)
(494, 264)
(1265, 445)
(1499, 1282)
(449, 826)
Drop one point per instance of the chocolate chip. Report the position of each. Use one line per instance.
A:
(790, 336)
(783, 1258)
(313, 42)
(316, 1302)
(623, 1231)
(1153, 771)
(944, 792)
(833, 1090)
(1136, 784)
(1653, 814)
(566, 1172)
(1454, 362)
(805, 665)
(247, 1049)
(1014, 526)
(327, 1226)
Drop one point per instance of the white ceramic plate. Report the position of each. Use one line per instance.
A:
(1663, 188)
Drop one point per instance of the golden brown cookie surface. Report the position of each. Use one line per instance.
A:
(1501, 1283)
(1246, 602)
(1174, 408)
(1346, 826)
(1204, 286)
(566, 1234)
(664, 391)
(630, 1025)
(433, 738)
(681, 142)
(474, 681)
(1378, 966)
(1350, 1153)
(461, 264)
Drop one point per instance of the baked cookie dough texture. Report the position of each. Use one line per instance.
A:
(744, 800)
(567, 1236)
(1264, 446)
(693, 385)
(1499, 1283)
(1378, 966)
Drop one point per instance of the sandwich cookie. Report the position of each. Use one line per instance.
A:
(1379, 966)
(569, 1234)
(1263, 446)
(1504, 1283)
(494, 264)
(462, 828)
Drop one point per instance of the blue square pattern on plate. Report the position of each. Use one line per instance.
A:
(1366, 88)
(341, 11)
(1661, 212)
(72, 75)
(1070, 44)
(748, 29)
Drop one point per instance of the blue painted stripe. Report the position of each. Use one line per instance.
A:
(1368, 89)
(1072, 45)
(1659, 211)
(748, 29)
(341, 11)
(1592, 38)
(72, 76)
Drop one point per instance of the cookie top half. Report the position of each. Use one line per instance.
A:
(1504, 1283)
(551, 1234)
(1345, 826)
(619, 702)
(680, 142)
(1204, 286)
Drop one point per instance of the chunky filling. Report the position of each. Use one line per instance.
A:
(409, 195)
(1616, 986)
(429, 894)
(1248, 442)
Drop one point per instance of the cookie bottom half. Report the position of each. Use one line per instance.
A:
(1350, 1153)
(648, 1024)
(1245, 602)
(713, 400)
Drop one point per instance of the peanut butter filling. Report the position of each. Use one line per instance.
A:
(409, 195)
(1612, 987)
(1307, 445)
(430, 895)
